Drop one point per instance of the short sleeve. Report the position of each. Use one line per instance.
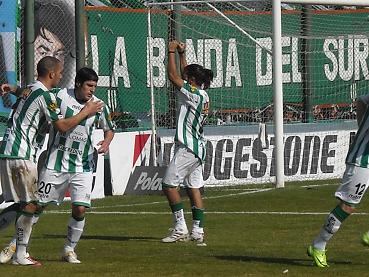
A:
(50, 106)
(105, 121)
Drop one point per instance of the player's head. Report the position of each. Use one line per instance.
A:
(209, 75)
(85, 83)
(54, 34)
(49, 71)
(198, 76)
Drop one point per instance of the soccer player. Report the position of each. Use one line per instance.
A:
(186, 166)
(69, 159)
(17, 165)
(353, 186)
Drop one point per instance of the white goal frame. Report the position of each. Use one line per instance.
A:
(277, 65)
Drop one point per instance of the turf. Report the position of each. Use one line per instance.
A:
(248, 234)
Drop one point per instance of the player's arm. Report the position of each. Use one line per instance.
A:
(91, 108)
(8, 88)
(361, 107)
(172, 67)
(104, 144)
(181, 48)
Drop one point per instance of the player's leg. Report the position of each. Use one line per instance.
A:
(193, 184)
(350, 193)
(24, 225)
(174, 176)
(7, 253)
(21, 185)
(76, 226)
(80, 189)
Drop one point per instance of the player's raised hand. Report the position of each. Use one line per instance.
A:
(173, 44)
(7, 88)
(181, 47)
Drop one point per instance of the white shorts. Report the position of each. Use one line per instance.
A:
(353, 186)
(18, 180)
(53, 185)
(185, 168)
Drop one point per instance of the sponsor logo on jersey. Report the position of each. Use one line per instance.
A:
(69, 149)
(76, 107)
(77, 138)
(354, 196)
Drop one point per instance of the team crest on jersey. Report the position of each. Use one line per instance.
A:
(26, 92)
(53, 106)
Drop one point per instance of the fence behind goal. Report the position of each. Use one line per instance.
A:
(325, 68)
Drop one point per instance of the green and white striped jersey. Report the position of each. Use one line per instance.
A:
(25, 120)
(358, 153)
(192, 113)
(73, 151)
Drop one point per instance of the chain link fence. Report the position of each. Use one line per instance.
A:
(117, 49)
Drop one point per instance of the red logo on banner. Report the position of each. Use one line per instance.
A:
(140, 141)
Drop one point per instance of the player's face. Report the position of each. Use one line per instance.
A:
(57, 75)
(48, 44)
(86, 90)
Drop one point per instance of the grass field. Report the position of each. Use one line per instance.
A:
(248, 232)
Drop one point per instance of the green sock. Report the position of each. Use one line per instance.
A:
(198, 217)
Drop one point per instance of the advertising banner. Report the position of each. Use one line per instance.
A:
(119, 47)
(233, 159)
(127, 150)
(145, 180)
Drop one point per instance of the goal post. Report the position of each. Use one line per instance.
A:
(291, 67)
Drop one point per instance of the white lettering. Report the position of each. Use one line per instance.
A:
(157, 62)
(104, 81)
(216, 46)
(361, 53)
(263, 79)
(330, 70)
(233, 67)
(120, 67)
(191, 56)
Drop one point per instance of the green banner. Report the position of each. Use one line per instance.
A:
(118, 47)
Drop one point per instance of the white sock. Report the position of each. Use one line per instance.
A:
(23, 229)
(196, 227)
(35, 219)
(75, 230)
(179, 220)
(330, 227)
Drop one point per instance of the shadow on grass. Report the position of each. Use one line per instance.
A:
(112, 238)
(276, 260)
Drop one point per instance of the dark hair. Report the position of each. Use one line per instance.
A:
(201, 75)
(86, 74)
(209, 75)
(45, 65)
(57, 19)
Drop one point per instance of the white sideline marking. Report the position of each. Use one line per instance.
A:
(236, 194)
(163, 202)
(207, 212)
(322, 185)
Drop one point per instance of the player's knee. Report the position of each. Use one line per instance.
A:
(78, 212)
(29, 207)
(347, 208)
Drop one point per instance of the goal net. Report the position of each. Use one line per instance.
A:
(324, 69)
